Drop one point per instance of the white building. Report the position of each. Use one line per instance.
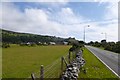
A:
(65, 43)
(52, 43)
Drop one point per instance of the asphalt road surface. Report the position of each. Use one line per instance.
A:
(110, 59)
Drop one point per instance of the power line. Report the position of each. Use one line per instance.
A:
(115, 20)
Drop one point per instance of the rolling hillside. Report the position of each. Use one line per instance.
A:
(16, 37)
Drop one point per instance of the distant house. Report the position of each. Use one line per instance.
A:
(65, 43)
(39, 42)
(28, 43)
(44, 43)
(23, 44)
(52, 43)
(31, 43)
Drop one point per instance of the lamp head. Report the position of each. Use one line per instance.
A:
(88, 25)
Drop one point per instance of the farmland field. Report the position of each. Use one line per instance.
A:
(0, 63)
(20, 62)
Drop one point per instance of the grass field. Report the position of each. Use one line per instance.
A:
(0, 63)
(95, 69)
(20, 62)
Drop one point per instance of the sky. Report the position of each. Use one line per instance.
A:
(62, 18)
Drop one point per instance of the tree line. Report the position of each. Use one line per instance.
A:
(16, 38)
(10, 37)
(111, 46)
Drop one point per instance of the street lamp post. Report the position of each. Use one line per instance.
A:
(105, 35)
(84, 32)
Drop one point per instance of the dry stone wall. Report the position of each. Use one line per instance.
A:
(72, 70)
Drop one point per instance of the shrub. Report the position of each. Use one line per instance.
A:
(5, 45)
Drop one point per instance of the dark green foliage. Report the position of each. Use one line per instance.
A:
(97, 44)
(116, 48)
(81, 42)
(76, 45)
(18, 38)
(108, 47)
(103, 43)
(5, 45)
(91, 43)
(111, 46)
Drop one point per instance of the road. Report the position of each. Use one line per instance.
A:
(110, 59)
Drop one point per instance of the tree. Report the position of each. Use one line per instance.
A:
(5, 45)
(116, 48)
(103, 43)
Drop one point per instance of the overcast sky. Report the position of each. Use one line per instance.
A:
(63, 18)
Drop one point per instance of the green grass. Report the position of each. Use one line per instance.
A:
(95, 68)
(0, 63)
(20, 62)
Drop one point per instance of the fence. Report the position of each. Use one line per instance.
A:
(57, 68)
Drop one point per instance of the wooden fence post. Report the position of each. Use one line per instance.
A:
(73, 56)
(33, 76)
(61, 65)
(69, 57)
(65, 62)
(41, 72)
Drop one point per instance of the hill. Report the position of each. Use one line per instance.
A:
(16, 38)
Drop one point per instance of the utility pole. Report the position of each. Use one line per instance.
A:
(84, 32)
(105, 35)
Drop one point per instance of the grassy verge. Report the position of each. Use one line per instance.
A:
(0, 62)
(95, 68)
(20, 62)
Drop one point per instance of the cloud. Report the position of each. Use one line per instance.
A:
(94, 32)
(39, 21)
(46, 22)
(67, 16)
(111, 15)
(36, 15)
(112, 11)
(34, 0)
(31, 20)
(11, 16)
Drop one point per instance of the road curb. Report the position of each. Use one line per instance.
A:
(104, 63)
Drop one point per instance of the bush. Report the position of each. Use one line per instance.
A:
(32, 45)
(116, 48)
(5, 45)
(108, 47)
(76, 47)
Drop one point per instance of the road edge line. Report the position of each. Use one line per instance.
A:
(104, 63)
